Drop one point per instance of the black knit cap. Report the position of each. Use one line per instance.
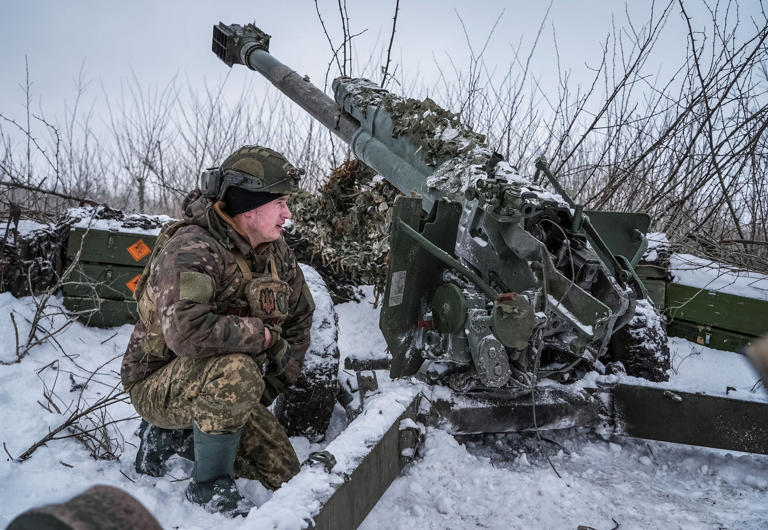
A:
(238, 200)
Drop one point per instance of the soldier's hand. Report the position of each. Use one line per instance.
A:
(271, 332)
(279, 352)
(273, 387)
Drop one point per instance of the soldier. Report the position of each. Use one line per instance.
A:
(225, 317)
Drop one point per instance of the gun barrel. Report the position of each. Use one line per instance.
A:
(249, 46)
(365, 127)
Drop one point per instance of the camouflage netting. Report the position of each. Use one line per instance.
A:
(124, 220)
(437, 132)
(31, 262)
(343, 229)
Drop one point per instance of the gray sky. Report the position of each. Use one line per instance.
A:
(160, 39)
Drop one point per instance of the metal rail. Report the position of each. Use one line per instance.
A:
(636, 411)
(693, 419)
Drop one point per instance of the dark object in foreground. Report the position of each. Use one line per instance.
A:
(97, 508)
(306, 407)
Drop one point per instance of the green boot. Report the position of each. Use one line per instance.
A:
(213, 484)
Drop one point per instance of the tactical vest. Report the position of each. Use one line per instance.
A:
(265, 297)
(153, 343)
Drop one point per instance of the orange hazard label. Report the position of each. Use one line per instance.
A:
(133, 283)
(139, 250)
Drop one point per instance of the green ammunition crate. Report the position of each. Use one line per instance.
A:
(107, 246)
(710, 318)
(719, 339)
(115, 282)
(746, 316)
(101, 285)
(102, 313)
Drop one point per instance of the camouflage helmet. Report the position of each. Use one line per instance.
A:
(255, 169)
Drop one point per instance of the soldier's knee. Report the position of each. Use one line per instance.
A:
(235, 378)
(294, 467)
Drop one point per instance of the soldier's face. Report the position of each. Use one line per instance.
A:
(265, 223)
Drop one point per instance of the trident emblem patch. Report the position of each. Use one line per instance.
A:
(267, 300)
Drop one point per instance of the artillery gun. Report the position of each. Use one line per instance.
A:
(491, 276)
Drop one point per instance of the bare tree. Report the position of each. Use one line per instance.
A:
(689, 147)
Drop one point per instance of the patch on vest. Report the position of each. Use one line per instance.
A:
(267, 300)
(195, 286)
(282, 302)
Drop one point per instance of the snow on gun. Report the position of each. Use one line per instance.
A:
(490, 276)
(493, 283)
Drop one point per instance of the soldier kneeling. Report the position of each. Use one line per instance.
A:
(225, 318)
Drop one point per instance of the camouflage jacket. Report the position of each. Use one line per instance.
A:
(197, 307)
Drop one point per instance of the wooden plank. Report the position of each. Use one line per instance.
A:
(368, 457)
(695, 419)
(747, 316)
(117, 248)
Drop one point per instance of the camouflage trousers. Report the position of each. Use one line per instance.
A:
(220, 394)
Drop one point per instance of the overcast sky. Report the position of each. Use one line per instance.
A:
(159, 39)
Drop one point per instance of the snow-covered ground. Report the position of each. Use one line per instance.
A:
(504, 481)
(492, 481)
